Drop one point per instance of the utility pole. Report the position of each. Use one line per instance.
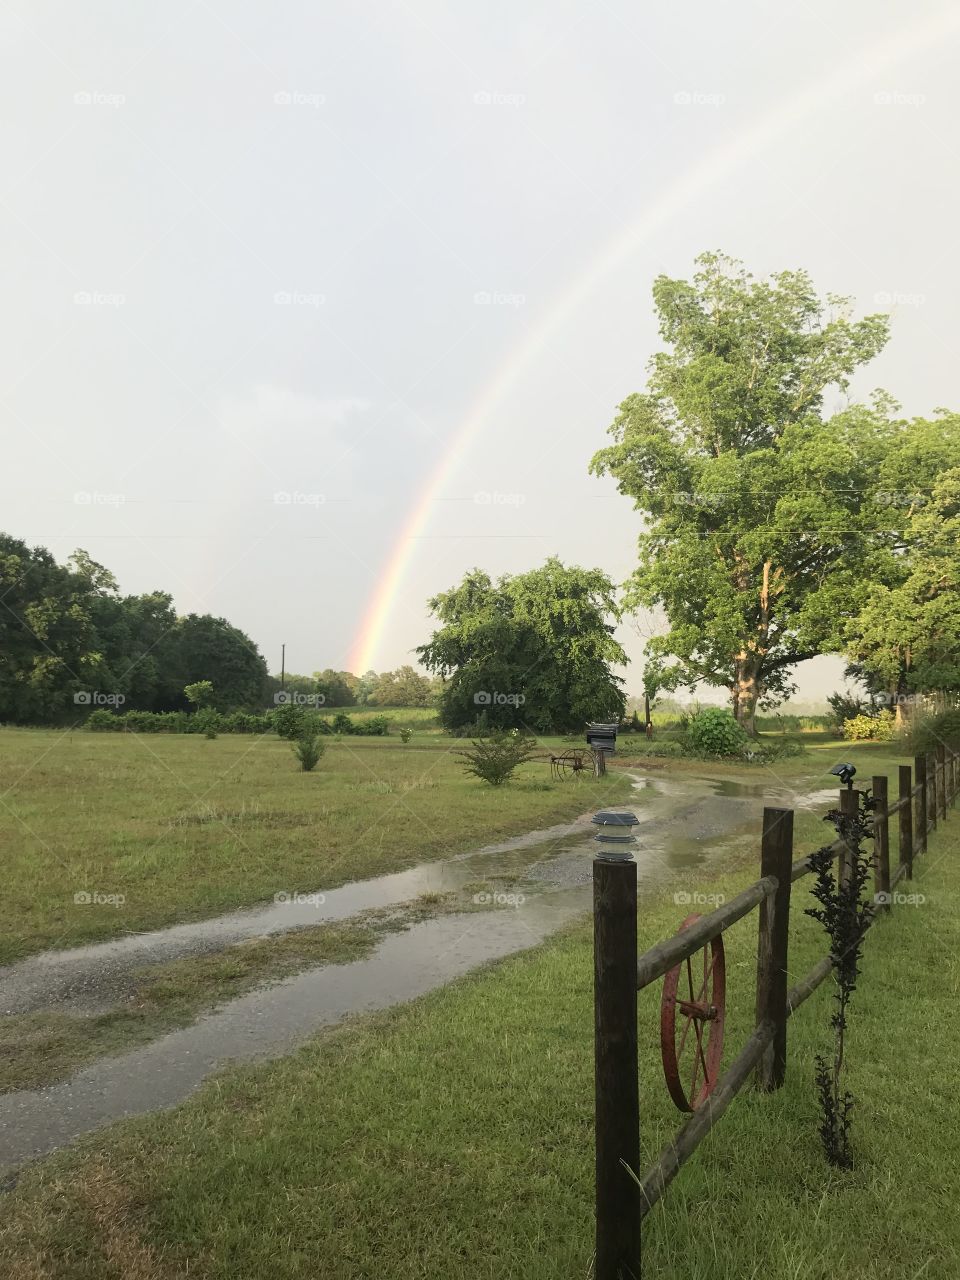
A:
(283, 664)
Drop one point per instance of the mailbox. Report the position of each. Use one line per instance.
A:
(602, 737)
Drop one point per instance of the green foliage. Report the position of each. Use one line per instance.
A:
(760, 519)
(66, 630)
(289, 720)
(200, 693)
(406, 734)
(877, 728)
(308, 749)
(404, 687)
(845, 916)
(931, 731)
(207, 722)
(714, 732)
(534, 649)
(906, 637)
(846, 706)
(494, 759)
(102, 719)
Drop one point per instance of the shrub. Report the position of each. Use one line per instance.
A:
(863, 728)
(289, 721)
(406, 734)
(308, 750)
(845, 707)
(714, 732)
(342, 723)
(376, 727)
(494, 759)
(102, 719)
(207, 722)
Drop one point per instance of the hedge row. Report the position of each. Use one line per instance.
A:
(203, 722)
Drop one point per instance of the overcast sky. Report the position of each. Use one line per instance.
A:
(306, 300)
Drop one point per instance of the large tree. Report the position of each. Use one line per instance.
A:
(532, 650)
(759, 511)
(906, 639)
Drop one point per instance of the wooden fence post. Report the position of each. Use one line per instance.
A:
(931, 791)
(906, 821)
(615, 1055)
(881, 843)
(850, 807)
(920, 770)
(942, 784)
(776, 859)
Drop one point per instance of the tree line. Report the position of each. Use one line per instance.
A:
(70, 643)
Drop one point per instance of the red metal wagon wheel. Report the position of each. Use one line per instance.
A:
(691, 1023)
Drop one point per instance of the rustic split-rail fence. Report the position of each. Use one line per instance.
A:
(623, 1197)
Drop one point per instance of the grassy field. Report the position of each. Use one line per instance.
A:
(177, 827)
(454, 1136)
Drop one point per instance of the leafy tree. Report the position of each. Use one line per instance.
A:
(757, 536)
(200, 693)
(338, 687)
(906, 638)
(404, 687)
(202, 647)
(531, 649)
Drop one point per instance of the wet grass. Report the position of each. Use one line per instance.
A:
(453, 1136)
(159, 829)
(40, 1048)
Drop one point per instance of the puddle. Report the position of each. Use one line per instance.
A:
(686, 823)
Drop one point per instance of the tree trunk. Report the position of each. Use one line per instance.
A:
(744, 694)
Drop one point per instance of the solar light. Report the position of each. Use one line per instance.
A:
(845, 772)
(618, 821)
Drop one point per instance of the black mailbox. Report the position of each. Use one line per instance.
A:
(602, 737)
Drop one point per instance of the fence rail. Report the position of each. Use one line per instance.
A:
(623, 1196)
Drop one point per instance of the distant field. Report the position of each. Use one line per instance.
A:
(181, 827)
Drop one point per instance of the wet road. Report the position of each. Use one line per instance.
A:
(686, 824)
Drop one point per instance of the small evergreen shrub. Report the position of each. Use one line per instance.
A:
(495, 758)
(308, 750)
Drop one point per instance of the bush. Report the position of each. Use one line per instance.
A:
(289, 721)
(207, 722)
(494, 759)
(406, 734)
(714, 732)
(863, 728)
(102, 719)
(845, 707)
(309, 750)
(376, 727)
(342, 723)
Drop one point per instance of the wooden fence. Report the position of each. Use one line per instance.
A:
(622, 1202)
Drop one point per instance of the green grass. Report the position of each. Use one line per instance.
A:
(453, 1137)
(181, 828)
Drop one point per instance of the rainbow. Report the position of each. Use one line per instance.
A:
(718, 165)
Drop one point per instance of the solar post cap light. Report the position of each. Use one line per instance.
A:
(845, 772)
(619, 821)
